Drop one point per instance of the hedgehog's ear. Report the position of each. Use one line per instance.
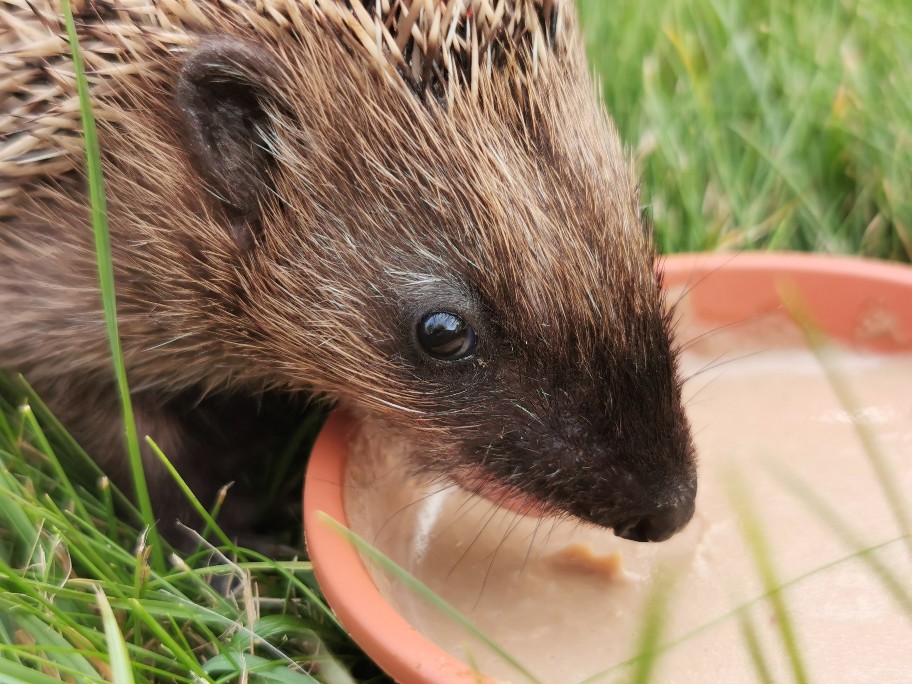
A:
(221, 92)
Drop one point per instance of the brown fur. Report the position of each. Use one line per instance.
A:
(403, 175)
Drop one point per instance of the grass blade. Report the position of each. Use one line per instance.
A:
(754, 648)
(425, 592)
(247, 663)
(121, 672)
(15, 673)
(106, 279)
(830, 516)
(756, 542)
(210, 523)
(654, 617)
(37, 434)
(880, 463)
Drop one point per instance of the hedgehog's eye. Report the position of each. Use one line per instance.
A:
(446, 336)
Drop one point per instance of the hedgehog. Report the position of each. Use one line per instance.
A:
(417, 210)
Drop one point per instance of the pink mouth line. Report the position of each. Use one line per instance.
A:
(476, 481)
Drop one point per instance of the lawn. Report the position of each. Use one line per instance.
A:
(767, 124)
(755, 124)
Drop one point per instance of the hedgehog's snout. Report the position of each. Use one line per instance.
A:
(655, 522)
(656, 526)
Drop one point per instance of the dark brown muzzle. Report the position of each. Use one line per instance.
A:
(662, 522)
(656, 526)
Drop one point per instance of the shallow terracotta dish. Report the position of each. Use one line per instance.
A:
(861, 303)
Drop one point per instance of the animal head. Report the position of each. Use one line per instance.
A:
(424, 212)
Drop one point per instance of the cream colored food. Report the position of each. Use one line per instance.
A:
(567, 600)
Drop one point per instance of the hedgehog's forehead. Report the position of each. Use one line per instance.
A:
(570, 291)
(559, 243)
(502, 169)
(565, 256)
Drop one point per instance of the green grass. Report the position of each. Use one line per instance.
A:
(764, 123)
(755, 124)
(63, 563)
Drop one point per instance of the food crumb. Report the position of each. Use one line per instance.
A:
(580, 558)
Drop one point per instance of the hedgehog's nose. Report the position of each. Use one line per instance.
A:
(658, 525)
